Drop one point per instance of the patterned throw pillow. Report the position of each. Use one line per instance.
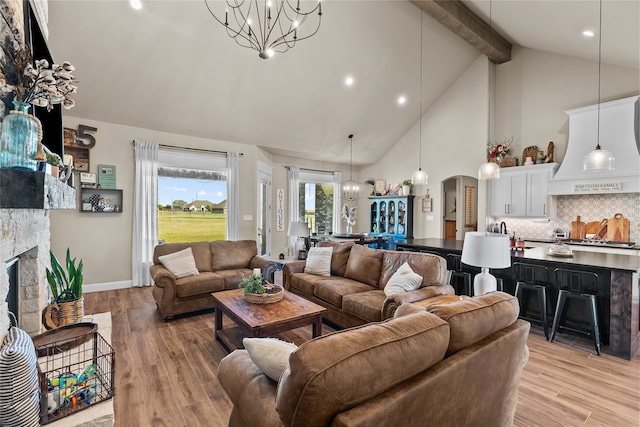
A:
(181, 263)
(403, 280)
(19, 394)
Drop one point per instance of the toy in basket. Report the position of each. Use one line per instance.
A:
(257, 291)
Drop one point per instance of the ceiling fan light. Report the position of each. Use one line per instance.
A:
(420, 177)
(599, 160)
(488, 171)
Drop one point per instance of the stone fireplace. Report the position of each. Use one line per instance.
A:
(25, 200)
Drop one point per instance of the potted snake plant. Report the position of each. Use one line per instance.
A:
(65, 284)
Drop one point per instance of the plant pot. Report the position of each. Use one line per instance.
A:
(19, 138)
(63, 313)
(406, 190)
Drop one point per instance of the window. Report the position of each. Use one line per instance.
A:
(316, 201)
(192, 197)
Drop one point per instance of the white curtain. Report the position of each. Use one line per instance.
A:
(337, 202)
(233, 194)
(293, 181)
(145, 212)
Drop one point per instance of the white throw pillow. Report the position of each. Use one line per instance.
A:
(403, 280)
(270, 355)
(181, 263)
(319, 261)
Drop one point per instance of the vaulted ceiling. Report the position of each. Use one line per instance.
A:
(171, 67)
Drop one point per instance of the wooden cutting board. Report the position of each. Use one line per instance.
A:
(618, 228)
(577, 229)
(596, 227)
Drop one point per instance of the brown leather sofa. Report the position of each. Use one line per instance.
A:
(221, 265)
(457, 363)
(354, 292)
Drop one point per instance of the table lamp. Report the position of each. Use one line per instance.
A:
(486, 250)
(298, 229)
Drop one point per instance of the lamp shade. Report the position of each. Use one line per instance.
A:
(599, 159)
(298, 229)
(489, 250)
(488, 171)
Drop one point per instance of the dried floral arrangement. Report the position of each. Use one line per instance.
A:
(37, 83)
(498, 151)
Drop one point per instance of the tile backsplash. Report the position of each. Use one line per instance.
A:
(590, 207)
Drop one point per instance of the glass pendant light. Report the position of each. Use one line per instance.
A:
(420, 177)
(599, 159)
(351, 188)
(488, 171)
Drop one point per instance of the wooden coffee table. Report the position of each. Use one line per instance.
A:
(263, 320)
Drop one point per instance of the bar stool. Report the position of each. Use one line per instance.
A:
(454, 265)
(531, 277)
(580, 285)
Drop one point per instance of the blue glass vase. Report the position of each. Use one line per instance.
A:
(19, 139)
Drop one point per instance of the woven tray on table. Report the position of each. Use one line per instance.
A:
(274, 294)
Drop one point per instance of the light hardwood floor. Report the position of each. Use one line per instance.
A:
(166, 372)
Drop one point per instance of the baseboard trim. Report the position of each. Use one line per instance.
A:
(107, 286)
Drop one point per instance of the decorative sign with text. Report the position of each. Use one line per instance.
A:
(280, 209)
(597, 187)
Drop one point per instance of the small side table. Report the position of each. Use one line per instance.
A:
(280, 263)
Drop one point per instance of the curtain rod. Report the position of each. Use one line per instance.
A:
(310, 170)
(192, 149)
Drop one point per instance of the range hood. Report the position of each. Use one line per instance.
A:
(618, 133)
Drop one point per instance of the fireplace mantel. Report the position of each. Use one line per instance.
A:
(21, 189)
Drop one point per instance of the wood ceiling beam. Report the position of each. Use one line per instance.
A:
(458, 18)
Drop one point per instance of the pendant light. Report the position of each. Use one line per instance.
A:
(351, 188)
(488, 171)
(599, 159)
(420, 177)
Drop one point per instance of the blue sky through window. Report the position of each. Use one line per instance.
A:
(187, 189)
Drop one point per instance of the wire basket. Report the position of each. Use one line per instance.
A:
(73, 379)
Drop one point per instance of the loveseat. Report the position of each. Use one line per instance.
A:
(353, 293)
(220, 265)
(455, 363)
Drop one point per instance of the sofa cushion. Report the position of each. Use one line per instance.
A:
(340, 256)
(180, 264)
(365, 305)
(403, 280)
(305, 282)
(227, 254)
(203, 283)
(335, 372)
(232, 277)
(364, 265)
(201, 253)
(319, 261)
(432, 268)
(333, 289)
(472, 319)
(271, 355)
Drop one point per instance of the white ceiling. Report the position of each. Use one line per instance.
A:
(171, 67)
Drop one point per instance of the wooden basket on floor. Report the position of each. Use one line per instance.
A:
(63, 313)
(274, 294)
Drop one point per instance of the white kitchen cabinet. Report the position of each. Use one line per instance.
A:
(521, 191)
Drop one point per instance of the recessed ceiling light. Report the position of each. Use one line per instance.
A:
(588, 33)
(136, 4)
(348, 81)
(402, 99)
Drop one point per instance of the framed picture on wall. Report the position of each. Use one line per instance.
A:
(426, 204)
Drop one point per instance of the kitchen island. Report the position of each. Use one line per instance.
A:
(618, 287)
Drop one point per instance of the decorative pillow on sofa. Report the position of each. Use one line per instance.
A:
(319, 261)
(180, 263)
(270, 355)
(19, 394)
(403, 280)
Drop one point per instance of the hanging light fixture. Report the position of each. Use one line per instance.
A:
(488, 171)
(420, 177)
(351, 188)
(267, 26)
(599, 159)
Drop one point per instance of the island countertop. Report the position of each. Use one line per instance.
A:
(539, 253)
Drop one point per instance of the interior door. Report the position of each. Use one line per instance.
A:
(263, 232)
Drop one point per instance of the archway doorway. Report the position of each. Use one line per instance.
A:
(459, 207)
